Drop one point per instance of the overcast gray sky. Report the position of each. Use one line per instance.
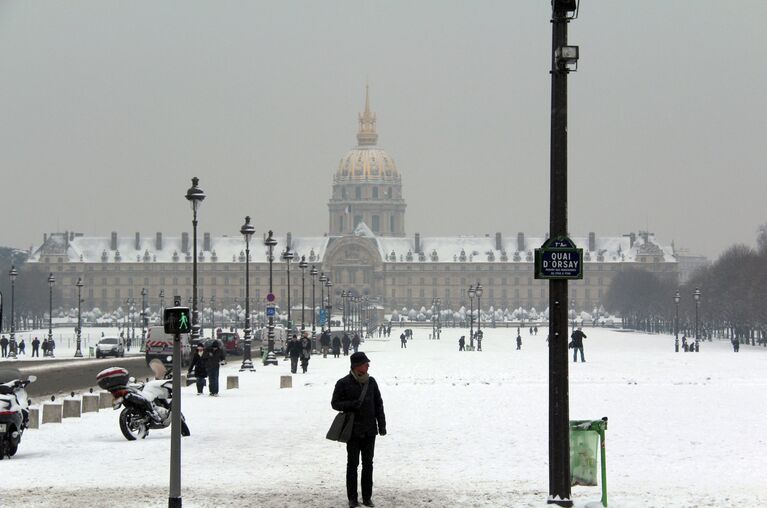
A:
(107, 109)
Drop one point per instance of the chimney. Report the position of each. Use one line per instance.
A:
(71, 235)
(138, 240)
(66, 239)
(498, 242)
(289, 240)
(206, 242)
(633, 238)
(520, 242)
(592, 241)
(418, 243)
(158, 241)
(185, 242)
(45, 237)
(113, 241)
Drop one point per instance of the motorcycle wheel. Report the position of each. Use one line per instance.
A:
(133, 425)
(12, 449)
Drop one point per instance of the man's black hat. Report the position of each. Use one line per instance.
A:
(359, 358)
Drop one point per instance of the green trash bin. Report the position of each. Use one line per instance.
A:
(587, 441)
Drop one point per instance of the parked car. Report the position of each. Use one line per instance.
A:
(110, 346)
(160, 345)
(231, 342)
(280, 339)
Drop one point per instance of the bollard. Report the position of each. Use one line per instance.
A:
(105, 400)
(90, 403)
(232, 382)
(52, 412)
(72, 408)
(34, 418)
(286, 381)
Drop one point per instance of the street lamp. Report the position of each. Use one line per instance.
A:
(288, 256)
(213, 316)
(329, 306)
(323, 281)
(79, 284)
(144, 318)
(247, 231)
(439, 318)
(344, 309)
(478, 292)
(302, 265)
(677, 297)
(195, 196)
(13, 274)
(270, 242)
(51, 283)
(471, 315)
(313, 273)
(162, 303)
(696, 295)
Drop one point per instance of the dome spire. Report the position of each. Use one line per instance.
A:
(367, 135)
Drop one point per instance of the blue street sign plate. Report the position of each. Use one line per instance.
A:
(271, 311)
(559, 259)
(323, 316)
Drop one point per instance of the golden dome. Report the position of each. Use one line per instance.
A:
(367, 161)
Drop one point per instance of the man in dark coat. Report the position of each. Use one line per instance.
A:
(325, 343)
(36, 347)
(356, 342)
(215, 358)
(198, 367)
(577, 342)
(4, 346)
(336, 346)
(519, 341)
(346, 342)
(461, 343)
(369, 420)
(306, 351)
(403, 340)
(294, 352)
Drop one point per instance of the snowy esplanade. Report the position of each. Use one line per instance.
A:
(465, 429)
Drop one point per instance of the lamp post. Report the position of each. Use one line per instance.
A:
(478, 292)
(302, 265)
(213, 316)
(51, 283)
(329, 306)
(13, 274)
(677, 297)
(288, 256)
(696, 295)
(345, 309)
(162, 303)
(195, 196)
(144, 318)
(270, 242)
(313, 273)
(471, 315)
(323, 281)
(79, 284)
(247, 231)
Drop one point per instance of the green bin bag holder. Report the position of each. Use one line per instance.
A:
(586, 437)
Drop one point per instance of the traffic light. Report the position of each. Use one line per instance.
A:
(177, 320)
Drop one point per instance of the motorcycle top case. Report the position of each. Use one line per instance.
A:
(112, 378)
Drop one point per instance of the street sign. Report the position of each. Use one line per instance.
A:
(177, 320)
(270, 297)
(323, 316)
(559, 258)
(271, 311)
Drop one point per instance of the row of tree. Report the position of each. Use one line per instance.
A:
(732, 304)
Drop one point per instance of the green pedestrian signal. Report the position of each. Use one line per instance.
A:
(176, 320)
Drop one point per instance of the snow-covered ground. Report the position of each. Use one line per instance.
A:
(464, 429)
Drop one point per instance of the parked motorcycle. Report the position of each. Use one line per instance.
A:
(145, 405)
(14, 410)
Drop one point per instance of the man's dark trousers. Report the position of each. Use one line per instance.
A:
(213, 380)
(366, 445)
(575, 353)
(36, 351)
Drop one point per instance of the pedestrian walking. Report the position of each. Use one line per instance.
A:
(45, 347)
(306, 351)
(336, 347)
(735, 344)
(325, 343)
(684, 343)
(346, 342)
(356, 342)
(127, 344)
(519, 342)
(36, 347)
(4, 346)
(213, 361)
(577, 344)
(462, 343)
(51, 347)
(358, 393)
(535, 329)
(22, 348)
(403, 340)
(293, 351)
(198, 368)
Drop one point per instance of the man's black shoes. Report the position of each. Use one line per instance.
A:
(368, 502)
(353, 503)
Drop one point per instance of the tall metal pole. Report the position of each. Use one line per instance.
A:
(51, 282)
(270, 242)
(313, 273)
(677, 297)
(174, 494)
(559, 411)
(78, 352)
(471, 314)
(323, 280)
(247, 231)
(13, 274)
(195, 196)
(302, 265)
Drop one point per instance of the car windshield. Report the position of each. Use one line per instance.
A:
(108, 341)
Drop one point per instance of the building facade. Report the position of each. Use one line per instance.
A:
(366, 251)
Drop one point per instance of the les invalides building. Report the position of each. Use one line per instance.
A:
(366, 252)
